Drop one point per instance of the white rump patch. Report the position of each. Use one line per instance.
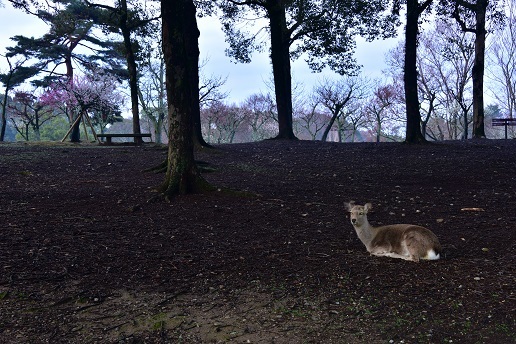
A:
(431, 255)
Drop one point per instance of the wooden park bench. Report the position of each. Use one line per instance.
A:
(505, 122)
(109, 137)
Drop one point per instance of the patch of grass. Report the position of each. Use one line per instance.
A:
(456, 304)
(25, 173)
(400, 322)
(82, 299)
(503, 328)
(158, 321)
(295, 312)
(467, 326)
(21, 296)
(159, 325)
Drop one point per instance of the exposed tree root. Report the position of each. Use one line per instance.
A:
(202, 166)
(162, 167)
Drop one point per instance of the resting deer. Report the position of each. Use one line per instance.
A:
(409, 242)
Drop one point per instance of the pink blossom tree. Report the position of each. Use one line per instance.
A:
(28, 114)
(95, 94)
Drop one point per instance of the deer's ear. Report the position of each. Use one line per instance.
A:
(367, 207)
(349, 205)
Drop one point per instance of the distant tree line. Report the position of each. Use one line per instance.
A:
(435, 88)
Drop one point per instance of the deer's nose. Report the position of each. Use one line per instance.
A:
(353, 220)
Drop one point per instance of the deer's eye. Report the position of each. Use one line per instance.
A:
(361, 213)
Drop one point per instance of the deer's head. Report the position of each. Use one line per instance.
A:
(358, 213)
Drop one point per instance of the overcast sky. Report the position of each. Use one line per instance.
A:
(243, 80)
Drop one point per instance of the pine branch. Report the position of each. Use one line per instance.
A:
(460, 21)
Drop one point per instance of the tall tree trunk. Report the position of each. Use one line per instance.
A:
(158, 128)
(340, 131)
(478, 70)
(378, 129)
(280, 58)
(3, 125)
(36, 126)
(334, 116)
(75, 135)
(3, 121)
(181, 53)
(133, 86)
(424, 122)
(131, 68)
(465, 111)
(413, 128)
(198, 139)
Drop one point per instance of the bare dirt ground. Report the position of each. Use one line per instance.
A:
(84, 258)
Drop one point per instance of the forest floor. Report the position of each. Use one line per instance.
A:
(86, 258)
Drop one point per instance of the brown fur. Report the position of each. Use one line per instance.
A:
(409, 242)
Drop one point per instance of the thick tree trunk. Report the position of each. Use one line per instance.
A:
(478, 70)
(75, 136)
(280, 58)
(413, 128)
(181, 53)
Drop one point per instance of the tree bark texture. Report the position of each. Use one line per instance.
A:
(413, 128)
(181, 53)
(478, 70)
(280, 58)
